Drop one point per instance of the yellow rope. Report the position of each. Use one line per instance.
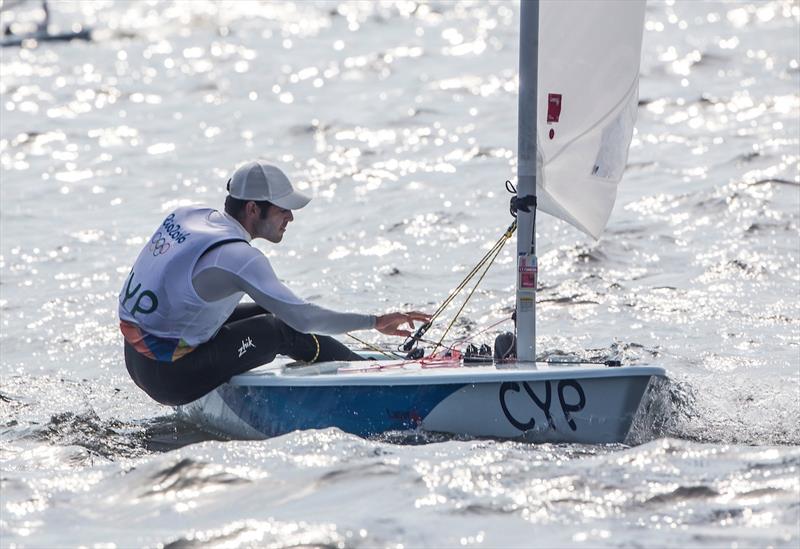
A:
(501, 243)
(495, 249)
(489, 258)
(373, 347)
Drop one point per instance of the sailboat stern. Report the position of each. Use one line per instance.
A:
(563, 408)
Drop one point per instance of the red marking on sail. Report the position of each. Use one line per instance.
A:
(553, 107)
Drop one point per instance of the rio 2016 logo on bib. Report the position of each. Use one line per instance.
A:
(158, 245)
(174, 229)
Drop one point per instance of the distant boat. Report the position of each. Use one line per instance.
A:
(579, 70)
(42, 34)
(16, 41)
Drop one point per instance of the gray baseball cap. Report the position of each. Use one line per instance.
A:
(257, 180)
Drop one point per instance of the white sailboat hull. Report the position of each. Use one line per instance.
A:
(542, 403)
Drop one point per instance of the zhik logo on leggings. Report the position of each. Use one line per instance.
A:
(246, 344)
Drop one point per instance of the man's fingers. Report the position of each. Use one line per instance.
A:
(417, 315)
(390, 323)
(411, 316)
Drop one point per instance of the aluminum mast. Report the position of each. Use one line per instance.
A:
(526, 179)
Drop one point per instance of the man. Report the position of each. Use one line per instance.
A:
(186, 332)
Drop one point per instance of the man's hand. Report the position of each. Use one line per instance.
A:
(389, 324)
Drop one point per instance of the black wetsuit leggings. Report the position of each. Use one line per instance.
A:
(250, 337)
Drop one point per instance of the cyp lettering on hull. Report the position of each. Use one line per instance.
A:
(567, 408)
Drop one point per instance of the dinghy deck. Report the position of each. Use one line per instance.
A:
(414, 373)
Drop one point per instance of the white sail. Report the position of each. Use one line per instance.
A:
(588, 91)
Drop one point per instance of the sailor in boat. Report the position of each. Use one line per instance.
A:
(41, 33)
(184, 327)
(41, 26)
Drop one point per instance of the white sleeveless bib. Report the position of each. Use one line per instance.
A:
(158, 295)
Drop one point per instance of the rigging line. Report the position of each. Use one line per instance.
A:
(610, 362)
(468, 277)
(500, 242)
(463, 284)
(374, 348)
(412, 340)
(473, 336)
(493, 250)
(444, 346)
(505, 238)
(451, 346)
